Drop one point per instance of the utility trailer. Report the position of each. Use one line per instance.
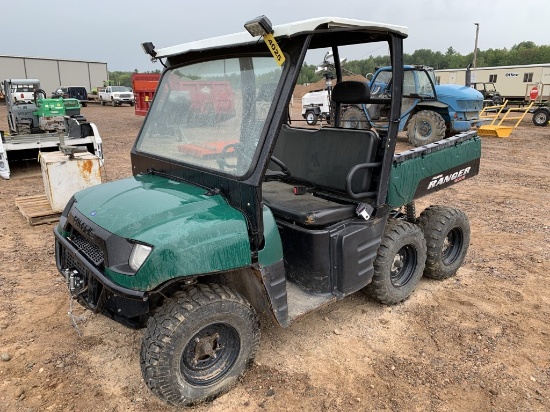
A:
(37, 124)
(281, 221)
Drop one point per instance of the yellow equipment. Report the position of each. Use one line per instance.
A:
(496, 127)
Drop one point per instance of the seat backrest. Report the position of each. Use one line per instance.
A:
(325, 156)
(350, 92)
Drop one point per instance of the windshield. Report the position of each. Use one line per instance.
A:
(119, 89)
(211, 114)
(380, 83)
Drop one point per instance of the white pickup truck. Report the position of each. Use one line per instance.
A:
(116, 96)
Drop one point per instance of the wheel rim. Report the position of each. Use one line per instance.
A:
(424, 129)
(310, 117)
(210, 354)
(540, 118)
(452, 245)
(403, 266)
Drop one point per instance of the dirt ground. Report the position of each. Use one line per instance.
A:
(479, 341)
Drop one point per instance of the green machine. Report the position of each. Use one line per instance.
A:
(36, 124)
(51, 113)
(39, 115)
(228, 218)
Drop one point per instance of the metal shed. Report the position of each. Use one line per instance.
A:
(54, 73)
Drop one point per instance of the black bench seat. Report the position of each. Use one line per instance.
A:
(333, 160)
(305, 209)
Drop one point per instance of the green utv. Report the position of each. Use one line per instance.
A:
(253, 212)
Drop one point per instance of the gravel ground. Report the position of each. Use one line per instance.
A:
(478, 341)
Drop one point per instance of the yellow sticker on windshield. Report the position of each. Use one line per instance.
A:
(274, 48)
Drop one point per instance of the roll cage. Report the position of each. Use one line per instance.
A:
(244, 192)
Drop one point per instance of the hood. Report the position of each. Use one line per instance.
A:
(133, 207)
(457, 92)
(191, 233)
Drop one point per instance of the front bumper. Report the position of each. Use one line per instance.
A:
(123, 100)
(91, 288)
(458, 126)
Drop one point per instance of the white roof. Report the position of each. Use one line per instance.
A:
(288, 29)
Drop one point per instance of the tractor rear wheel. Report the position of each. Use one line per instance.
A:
(198, 343)
(399, 264)
(447, 233)
(426, 127)
(354, 118)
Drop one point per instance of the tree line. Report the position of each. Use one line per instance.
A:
(118, 78)
(525, 52)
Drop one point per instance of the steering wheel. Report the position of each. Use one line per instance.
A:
(238, 150)
(284, 168)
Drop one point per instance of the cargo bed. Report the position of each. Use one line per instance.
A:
(427, 169)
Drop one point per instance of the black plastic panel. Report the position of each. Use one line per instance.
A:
(356, 247)
(307, 257)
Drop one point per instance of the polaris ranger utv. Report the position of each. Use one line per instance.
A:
(225, 218)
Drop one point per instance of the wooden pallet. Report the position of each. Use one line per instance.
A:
(36, 209)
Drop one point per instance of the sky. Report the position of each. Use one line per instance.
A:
(112, 31)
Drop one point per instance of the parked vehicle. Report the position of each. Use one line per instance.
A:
(490, 94)
(144, 86)
(250, 214)
(21, 90)
(72, 92)
(41, 124)
(116, 96)
(430, 112)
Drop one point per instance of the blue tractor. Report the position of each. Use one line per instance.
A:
(429, 112)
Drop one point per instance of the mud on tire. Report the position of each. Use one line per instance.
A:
(447, 233)
(399, 264)
(354, 118)
(426, 127)
(198, 343)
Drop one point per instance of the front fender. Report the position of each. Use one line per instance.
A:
(191, 232)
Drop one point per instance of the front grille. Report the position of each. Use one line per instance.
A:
(68, 261)
(470, 105)
(471, 115)
(125, 95)
(92, 252)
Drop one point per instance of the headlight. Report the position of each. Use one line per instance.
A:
(139, 254)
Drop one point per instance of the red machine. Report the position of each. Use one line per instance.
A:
(144, 86)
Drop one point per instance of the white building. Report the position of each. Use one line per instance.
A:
(513, 82)
(54, 73)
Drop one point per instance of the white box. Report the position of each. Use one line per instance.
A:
(63, 176)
